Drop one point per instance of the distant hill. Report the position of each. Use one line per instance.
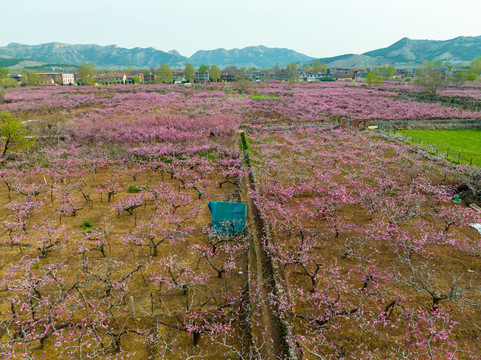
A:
(113, 56)
(413, 52)
(258, 56)
(405, 52)
(462, 48)
(351, 61)
(6, 62)
(103, 56)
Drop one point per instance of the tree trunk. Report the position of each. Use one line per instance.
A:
(196, 338)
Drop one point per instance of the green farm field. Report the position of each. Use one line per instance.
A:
(468, 142)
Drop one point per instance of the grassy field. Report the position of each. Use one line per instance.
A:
(468, 142)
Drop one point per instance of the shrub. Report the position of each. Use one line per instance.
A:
(9, 83)
(133, 189)
(85, 225)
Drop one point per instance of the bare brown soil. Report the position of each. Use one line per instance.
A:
(267, 333)
(149, 303)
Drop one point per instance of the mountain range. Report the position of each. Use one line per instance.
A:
(405, 52)
(113, 56)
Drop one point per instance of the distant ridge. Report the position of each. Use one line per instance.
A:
(405, 52)
(104, 56)
(258, 56)
(413, 52)
(113, 56)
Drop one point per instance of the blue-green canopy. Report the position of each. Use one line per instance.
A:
(228, 218)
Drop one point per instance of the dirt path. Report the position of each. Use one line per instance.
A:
(267, 333)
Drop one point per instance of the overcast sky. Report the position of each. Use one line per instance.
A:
(316, 28)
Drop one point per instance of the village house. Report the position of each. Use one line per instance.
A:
(406, 72)
(227, 76)
(111, 78)
(311, 77)
(201, 76)
(135, 78)
(359, 73)
(340, 73)
(58, 78)
(178, 76)
(17, 77)
(150, 78)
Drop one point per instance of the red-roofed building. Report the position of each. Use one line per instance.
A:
(111, 78)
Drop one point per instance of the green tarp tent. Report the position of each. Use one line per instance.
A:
(228, 218)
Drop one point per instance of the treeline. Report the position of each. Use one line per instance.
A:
(22, 77)
(88, 74)
(431, 75)
(290, 72)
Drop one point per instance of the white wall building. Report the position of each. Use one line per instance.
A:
(60, 78)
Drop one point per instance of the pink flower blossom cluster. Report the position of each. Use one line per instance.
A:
(360, 226)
